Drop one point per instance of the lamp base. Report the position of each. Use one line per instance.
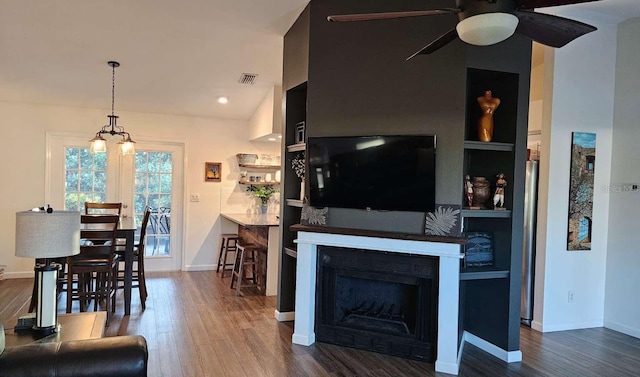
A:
(41, 332)
(26, 324)
(46, 320)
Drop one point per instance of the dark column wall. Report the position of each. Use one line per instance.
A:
(360, 84)
(512, 55)
(295, 73)
(295, 62)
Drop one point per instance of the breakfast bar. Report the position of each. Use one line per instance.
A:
(261, 229)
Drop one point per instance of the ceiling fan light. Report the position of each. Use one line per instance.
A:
(487, 28)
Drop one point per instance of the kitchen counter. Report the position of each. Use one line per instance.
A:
(261, 229)
(268, 219)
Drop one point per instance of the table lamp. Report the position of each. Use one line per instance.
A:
(47, 235)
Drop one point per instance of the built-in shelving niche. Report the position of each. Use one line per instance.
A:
(486, 292)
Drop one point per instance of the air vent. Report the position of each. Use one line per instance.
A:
(248, 78)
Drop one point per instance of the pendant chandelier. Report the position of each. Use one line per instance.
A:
(98, 143)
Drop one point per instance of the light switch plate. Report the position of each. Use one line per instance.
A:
(194, 197)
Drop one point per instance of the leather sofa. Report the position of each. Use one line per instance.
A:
(122, 356)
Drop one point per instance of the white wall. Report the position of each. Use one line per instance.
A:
(622, 306)
(23, 168)
(579, 92)
(267, 121)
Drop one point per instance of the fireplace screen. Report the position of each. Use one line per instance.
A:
(377, 301)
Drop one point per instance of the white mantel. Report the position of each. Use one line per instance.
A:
(449, 255)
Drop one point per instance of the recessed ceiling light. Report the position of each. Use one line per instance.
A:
(279, 136)
(272, 139)
(223, 100)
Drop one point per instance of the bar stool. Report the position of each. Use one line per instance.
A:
(247, 256)
(228, 243)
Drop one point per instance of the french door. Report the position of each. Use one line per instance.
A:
(153, 178)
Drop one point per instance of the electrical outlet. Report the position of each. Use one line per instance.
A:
(194, 197)
(570, 297)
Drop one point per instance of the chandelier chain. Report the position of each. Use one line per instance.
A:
(113, 88)
(98, 143)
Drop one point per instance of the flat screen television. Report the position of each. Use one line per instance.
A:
(395, 173)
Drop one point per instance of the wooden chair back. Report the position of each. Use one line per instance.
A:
(92, 208)
(99, 235)
(143, 229)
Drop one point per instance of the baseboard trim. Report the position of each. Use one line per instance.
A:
(537, 326)
(199, 267)
(545, 327)
(450, 368)
(622, 328)
(461, 350)
(284, 316)
(18, 275)
(507, 356)
(303, 340)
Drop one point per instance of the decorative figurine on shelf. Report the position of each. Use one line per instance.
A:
(481, 192)
(468, 188)
(498, 197)
(488, 105)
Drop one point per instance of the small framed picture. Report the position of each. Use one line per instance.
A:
(212, 172)
(478, 252)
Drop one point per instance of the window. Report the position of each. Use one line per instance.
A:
(153, 182)
(85, 178)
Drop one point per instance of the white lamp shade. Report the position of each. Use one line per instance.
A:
(127, 148)
(487, 29)
(47, 235)
(98, 146)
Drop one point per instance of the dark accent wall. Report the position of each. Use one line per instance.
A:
(295, 75)
(512, 55)
(361, 84)
(358, 83)
(295, 62)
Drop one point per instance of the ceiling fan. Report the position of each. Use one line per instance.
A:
(486, 22)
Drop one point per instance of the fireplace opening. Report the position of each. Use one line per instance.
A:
(382, 302)
(376, 305)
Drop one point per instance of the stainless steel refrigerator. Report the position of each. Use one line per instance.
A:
(529, 244)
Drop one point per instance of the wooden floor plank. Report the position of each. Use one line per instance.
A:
(195, 326)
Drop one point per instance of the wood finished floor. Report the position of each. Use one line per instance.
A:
(196, 326)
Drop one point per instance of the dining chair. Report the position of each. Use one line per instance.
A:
(95, 269)
(93, 208)
(138, 257)
(97, 208)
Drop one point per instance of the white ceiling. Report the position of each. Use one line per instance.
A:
(608, 11)
(176, 56)
(613, 10)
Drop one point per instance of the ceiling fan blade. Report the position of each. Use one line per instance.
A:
(390, 15)
(550, 30)
(530, 4)
(440, 42)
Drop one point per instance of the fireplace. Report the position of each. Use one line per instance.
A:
(382, 302)
(445, 250)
